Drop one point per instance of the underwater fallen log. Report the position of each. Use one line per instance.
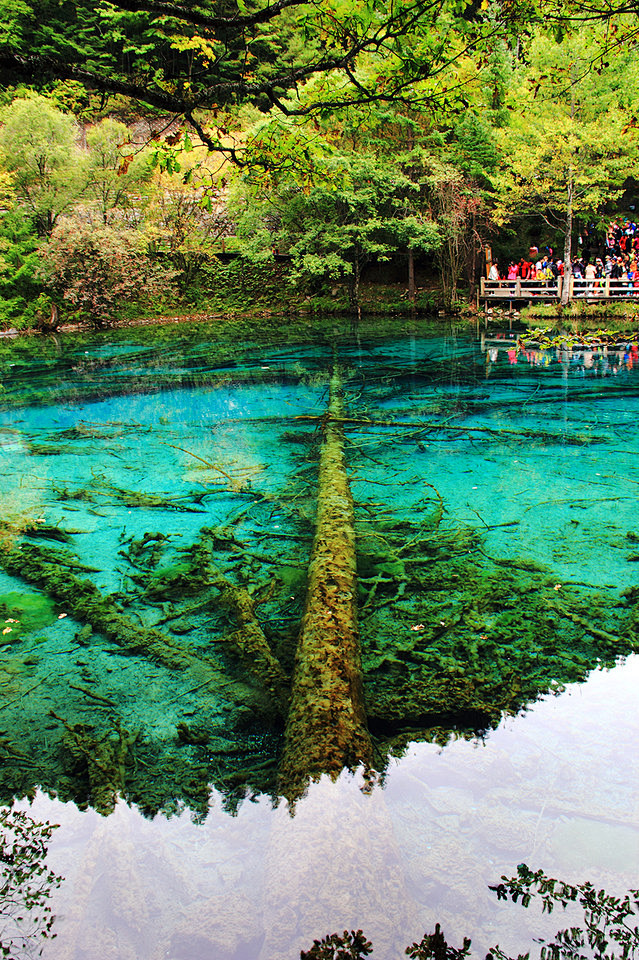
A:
(103, 488)
(326, 729)
(251, 644)
(88, 605)
(418, 427)
(248, 639)
(589, 627)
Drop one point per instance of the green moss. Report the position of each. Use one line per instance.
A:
(469, 641)
(32, 611)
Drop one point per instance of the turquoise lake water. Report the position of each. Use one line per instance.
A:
(496, 502)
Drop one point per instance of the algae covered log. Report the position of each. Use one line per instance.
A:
(48, 569)
(326, 729)
(88, 605)
(253, 648)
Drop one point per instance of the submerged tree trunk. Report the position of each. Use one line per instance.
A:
(326, 729)
(85, 602)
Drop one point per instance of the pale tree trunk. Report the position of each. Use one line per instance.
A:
(570, 195)
(565, 290)
(359, 259)
(451, 269)
(358, 306)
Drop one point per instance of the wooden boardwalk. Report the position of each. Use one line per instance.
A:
(549, 291)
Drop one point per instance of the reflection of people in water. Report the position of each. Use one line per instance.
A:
(600, 359)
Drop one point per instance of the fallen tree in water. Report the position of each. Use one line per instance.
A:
(326, 728)
(88, 605)
(451, 638)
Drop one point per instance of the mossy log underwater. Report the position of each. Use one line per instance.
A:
(47, 568)
(405, 629)
(326, 728)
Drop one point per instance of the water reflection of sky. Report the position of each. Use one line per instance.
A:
(556, 788)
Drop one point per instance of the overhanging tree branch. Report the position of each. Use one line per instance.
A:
(223, 73)
(198, 19)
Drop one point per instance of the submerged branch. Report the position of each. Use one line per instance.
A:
(587, 626)
(88, 605)
(445, 427)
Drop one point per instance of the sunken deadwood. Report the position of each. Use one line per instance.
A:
(252, 646)
(52, 572)
(326, 729)
(40, 566)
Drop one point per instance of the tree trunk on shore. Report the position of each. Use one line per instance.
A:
(326, 729)
(565, 290)
(411, 276)
(570, 198)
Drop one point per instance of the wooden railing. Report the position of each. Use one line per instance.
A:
(550, 290)
(611, 289)
(521, 289)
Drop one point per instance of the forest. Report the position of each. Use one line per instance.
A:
(164, 158)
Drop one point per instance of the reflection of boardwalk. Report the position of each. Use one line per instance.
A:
(542, 291)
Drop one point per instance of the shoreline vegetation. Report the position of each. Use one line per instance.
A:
(599, 327)
(143, 189)
(383, 308)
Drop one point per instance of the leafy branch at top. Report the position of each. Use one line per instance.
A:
(608, 931)
(181, 59)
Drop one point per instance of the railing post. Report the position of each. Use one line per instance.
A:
(560, 284)
(571, 290)
(517, 288)
(607, 286)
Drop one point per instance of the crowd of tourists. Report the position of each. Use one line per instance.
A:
(616, 259)
(545, 267)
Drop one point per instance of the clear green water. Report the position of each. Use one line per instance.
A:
(496, 507)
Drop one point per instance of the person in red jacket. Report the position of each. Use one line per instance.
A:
(524, 269)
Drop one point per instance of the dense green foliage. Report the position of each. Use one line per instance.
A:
(339, 133)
